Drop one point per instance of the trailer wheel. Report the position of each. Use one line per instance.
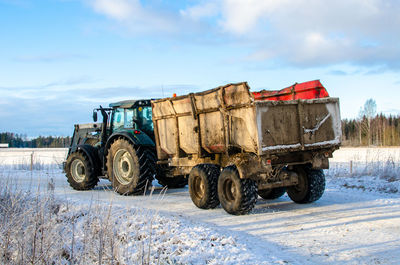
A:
(80, 173)
(271, 194)
(203, 185)
(237, 196)
(130, 170)
(311, 185)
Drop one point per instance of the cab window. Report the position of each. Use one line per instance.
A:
(129, 118)
(146, 118)
(118, 119)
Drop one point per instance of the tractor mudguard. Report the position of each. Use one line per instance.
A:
(91, 153)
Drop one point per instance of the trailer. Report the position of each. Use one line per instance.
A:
(235, 144)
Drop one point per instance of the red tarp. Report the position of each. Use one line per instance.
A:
(306, 90)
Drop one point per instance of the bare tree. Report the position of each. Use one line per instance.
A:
(366, 114)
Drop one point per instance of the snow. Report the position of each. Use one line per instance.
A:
(41, 158)
(357, 220)
(330, 142)
(276, 147)
(294, 146)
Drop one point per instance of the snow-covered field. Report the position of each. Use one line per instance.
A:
(357, 221)
(38, 158)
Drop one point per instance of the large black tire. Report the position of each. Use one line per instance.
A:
(203, 185)
(311, 185)
(237, 196)
(130, 170)
(80, 173)
(271, 194)
(172, 182)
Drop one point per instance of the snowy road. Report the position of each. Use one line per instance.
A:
(346, 226)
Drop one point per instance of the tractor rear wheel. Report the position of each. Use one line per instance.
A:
(80, 172)
(237, 196)
(129, 170)
(203, 185)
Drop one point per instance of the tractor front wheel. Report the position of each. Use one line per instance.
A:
(80, 172)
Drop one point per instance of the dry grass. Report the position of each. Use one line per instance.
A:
(39, 229)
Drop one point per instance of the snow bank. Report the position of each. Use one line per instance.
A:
(48, 230)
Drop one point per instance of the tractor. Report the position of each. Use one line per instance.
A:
(121, 149)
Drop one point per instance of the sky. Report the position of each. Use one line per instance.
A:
(59, 59)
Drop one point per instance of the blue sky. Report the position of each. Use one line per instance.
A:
(61, 58)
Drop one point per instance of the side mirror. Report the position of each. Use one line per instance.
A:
(95, 116)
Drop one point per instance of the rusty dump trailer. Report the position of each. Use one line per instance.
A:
(235, 145)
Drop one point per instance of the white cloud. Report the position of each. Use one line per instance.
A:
(200, 11)
(296, 32)
(135, 17)
(118, 9)
(242, 16)
(317, 32)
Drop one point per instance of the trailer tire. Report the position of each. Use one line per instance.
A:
(130, 170)
(80, 173)
(311, 185)
(271, 194)
(237, 196)
(203, 185)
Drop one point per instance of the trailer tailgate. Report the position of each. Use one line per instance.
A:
(298, 124)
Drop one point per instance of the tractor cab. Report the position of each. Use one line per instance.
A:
(132, 115)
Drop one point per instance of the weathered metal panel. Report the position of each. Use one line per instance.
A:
(213, 120)
(212, 132)
(167, 133)
(243, 129)
(298, 124)
(188, 135)
(278, 124)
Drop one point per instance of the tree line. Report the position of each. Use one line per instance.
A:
(21, 140)
(371, 129)
(379, 130)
